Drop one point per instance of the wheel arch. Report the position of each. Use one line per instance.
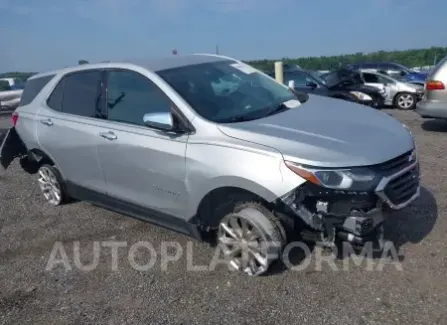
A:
(400, 92)
(34, 159)
(219, 199)
(40, 156)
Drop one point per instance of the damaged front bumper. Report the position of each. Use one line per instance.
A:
(355, 216)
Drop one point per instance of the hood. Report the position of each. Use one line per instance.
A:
(327, 132)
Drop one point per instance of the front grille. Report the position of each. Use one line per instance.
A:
(394, 165)
(400, 189)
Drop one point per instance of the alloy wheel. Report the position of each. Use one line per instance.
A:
(405, 101)
(245, 246)
(50, 186)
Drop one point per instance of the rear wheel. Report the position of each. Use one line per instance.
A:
(51, 185)
(252, 238)
(405, 101)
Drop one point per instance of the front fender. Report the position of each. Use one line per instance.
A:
(212, 167)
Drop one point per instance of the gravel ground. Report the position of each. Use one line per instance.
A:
(30, 294)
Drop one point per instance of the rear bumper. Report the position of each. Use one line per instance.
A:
(11, 147)
(432, 109)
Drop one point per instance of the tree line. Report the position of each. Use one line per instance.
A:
(410, 58)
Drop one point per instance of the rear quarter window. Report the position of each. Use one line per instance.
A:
(33, 88)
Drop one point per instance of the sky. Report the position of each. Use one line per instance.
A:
(39, 35)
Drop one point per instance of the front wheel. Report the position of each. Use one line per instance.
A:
(251, 238)
(405, 101)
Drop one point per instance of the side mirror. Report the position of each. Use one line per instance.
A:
(161, 121)
(311, 84)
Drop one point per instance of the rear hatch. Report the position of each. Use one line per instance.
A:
(436, 84)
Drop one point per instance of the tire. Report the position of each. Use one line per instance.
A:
(52, 185)
(405, 101)
(252, 238)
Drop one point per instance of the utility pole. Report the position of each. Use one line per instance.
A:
(217, 49)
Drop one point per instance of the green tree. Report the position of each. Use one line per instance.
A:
(82, 62)
(410, 58)
(19, 76)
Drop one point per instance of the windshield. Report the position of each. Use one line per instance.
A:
(317, 78)
(227, 91)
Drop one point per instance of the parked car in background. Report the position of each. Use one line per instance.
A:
(394, 70)
(291, 67)
(5, 82)
(434, 102)
(304, 81)
(10, 95)
(167, 141)
(399, 94)
(352, 81)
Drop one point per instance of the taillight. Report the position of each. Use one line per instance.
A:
(434, 85)
(15, 118)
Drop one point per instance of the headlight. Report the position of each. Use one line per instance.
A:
(355, 179)
(361, 95)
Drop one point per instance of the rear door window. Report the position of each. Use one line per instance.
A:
(33, 88)
(82, 93)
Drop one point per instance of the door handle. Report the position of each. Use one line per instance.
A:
(108, 135)
(47, 122)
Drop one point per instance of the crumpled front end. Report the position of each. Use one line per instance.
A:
(356, 216)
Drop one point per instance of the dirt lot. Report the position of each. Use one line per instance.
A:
(30, 294)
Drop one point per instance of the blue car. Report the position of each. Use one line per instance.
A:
(18, 86)
(394, 70)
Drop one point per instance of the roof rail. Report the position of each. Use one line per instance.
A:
(218, 56)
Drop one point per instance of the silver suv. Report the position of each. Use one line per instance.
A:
(208, 145)
(434, 102)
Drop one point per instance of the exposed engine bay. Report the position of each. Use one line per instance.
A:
(355, 216)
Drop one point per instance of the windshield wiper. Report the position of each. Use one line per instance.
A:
(276, 109)
(237, 118)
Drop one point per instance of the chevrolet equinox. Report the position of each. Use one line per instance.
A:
(211, 147)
